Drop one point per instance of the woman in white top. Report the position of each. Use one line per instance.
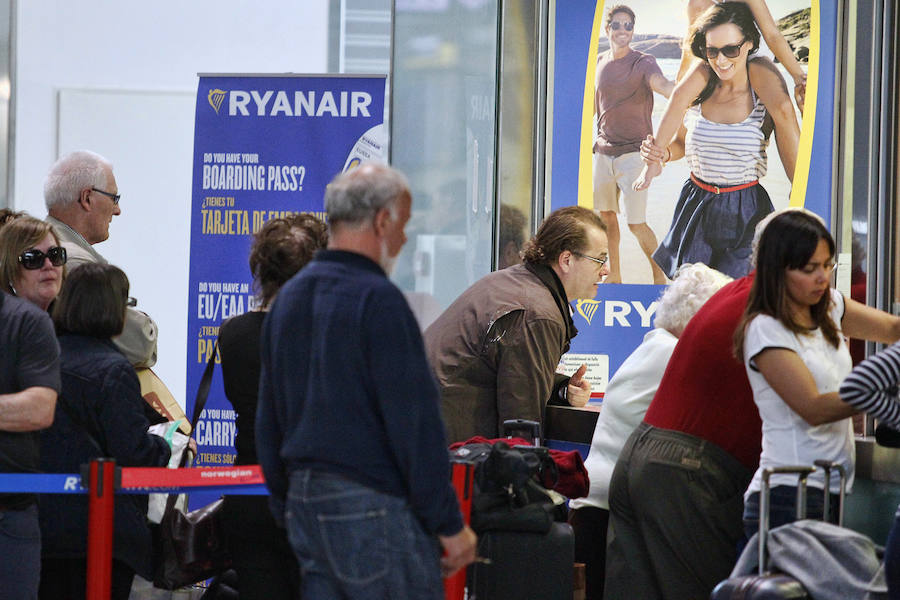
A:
(791, 340)
(626, 400)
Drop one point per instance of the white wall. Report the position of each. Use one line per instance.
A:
(140, 60)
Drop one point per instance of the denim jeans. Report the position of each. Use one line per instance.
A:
(20, 549)
(892, 559)
(783, 507)
(356, 543)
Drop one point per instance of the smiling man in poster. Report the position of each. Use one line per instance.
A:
(623, 102)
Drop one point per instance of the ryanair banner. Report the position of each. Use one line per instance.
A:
(264, 147)
(768, 137)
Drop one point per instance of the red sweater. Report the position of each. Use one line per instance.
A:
(704, 391)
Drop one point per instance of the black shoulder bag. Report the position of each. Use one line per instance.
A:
(191, 547)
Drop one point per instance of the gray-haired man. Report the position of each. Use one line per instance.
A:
(82, 197)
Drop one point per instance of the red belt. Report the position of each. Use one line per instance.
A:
(721, 190)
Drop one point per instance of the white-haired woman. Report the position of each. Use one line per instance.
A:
(626, 400)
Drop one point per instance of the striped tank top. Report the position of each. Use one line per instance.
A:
(726, 153)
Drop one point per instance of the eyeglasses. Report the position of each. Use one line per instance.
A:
(114, 197)
(616, 25)
(731, 51)
(131, 301)
(34, 258)
(599, 261)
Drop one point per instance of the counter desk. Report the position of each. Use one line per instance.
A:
(870, 508)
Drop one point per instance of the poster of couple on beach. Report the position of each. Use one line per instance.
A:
(739, 100)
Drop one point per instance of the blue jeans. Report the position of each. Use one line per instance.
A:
(892, 559)
(356, 543)
(20, 549)
(783, 507)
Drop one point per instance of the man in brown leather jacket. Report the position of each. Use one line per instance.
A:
(495, 350)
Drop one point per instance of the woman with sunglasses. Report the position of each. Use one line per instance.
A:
(774, 39)
(32, 262)
(723, 138)
(99, 412)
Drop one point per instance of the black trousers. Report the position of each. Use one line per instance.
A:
(590, 524)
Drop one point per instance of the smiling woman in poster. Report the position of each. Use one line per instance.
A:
(723, 138)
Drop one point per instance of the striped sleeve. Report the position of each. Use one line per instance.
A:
(872, 386)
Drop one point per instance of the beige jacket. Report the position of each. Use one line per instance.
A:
(138, 340)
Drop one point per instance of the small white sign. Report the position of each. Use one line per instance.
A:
(597, 369)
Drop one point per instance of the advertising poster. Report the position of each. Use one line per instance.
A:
(584, 83)
(264, 147)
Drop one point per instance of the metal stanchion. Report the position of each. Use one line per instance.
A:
(101, 504)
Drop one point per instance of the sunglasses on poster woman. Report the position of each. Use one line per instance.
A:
(731, 51)
(34, 259)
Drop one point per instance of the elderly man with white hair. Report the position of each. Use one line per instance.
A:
(82, 197)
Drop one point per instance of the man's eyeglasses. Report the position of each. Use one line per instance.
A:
(131, 301)
(616, 25)
(34, 258)
(599, 261)
(729, 51)
(114, 197)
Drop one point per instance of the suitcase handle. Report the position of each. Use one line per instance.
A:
(828, 466)
(532, 428)
(802, 473)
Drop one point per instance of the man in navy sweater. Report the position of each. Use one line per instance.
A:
(349, 432)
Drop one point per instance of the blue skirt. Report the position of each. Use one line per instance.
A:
(715, 229)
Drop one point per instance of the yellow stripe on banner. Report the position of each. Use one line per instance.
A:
(804, 152)
(585, 154)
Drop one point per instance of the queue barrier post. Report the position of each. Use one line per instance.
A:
(102, 484)
(462, 477)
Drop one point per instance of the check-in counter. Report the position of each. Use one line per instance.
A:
(870, 508)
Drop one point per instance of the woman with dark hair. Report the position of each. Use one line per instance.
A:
(723, 137)
(791, 340)
(32, 261)
(265, 564)
(100, 412)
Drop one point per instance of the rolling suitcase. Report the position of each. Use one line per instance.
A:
(524, 565)
(766, 585)
(521, 556)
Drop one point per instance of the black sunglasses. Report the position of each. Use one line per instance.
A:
(615, 26)
(729, 51)
(34, 258)
(114, 197)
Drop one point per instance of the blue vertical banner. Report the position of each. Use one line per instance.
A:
(265, 146)
(613, 324)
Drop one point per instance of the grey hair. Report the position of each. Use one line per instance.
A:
(73, 173)
(761, 226)
(353, 198)
(693, 285)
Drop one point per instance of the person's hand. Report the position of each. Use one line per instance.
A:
(459, 550)
(649, 171)
(579, 390)
(651, 152)
(192, 446)
(800, 95)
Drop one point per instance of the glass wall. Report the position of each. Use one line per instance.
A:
(465, 87)
(444, 85)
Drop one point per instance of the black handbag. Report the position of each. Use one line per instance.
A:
(191, 547)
